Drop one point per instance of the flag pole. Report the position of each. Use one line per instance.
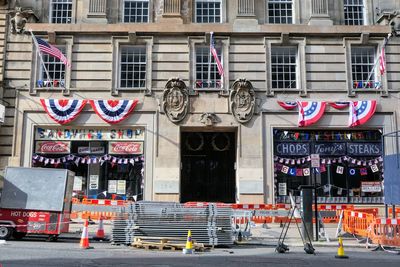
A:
(209, 60)
(40, 56)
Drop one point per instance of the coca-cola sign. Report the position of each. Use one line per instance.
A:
(125, 148)
(53, 147)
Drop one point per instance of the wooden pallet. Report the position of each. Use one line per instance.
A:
(164, 244)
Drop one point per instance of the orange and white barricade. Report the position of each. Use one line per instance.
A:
(385, 232)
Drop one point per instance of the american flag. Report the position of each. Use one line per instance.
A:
(47, 48)
(215, 55)
(382, 58)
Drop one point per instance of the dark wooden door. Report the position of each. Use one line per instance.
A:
(208, 167)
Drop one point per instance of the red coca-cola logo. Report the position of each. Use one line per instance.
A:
(126, 148)
(53, 147)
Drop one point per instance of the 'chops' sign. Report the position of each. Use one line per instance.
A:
(52, 147)
(125, 148)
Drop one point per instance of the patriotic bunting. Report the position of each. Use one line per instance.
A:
(310, 112)
(113, 111)
(361, 112)
(63, 111)
(339, 105)
(287, 105)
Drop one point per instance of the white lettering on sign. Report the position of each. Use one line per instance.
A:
(292, 148)
(31, 214)
(53, 147)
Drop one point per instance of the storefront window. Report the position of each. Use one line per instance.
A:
(108, 164)
(350, 165)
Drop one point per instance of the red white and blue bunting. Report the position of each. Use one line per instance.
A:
(288, 105)
(63, 111)
(113, 111)
(310, 112)
(361, 112)
(339, 105)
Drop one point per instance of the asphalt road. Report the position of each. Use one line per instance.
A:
(66, 252)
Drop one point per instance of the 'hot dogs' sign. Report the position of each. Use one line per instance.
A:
(125, 148)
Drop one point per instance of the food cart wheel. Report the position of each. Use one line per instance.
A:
(5, 232)
(18, 235)
(53, 238)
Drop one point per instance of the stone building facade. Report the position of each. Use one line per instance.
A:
(203, 132)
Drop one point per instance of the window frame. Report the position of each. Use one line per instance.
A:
(132, 63)
(149, 15)
(293, 17)
(299, 43)
(223, 44)
(364, 13)
(363, 41)
(73, 12)
(222, 11)
(37, 66)
(125, 41)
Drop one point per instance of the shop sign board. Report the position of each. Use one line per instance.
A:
(121, 185)
(53, 147)
(90, 150)
(364, 149)
(330, 149)
(90, 134)
(292, 148)
(112, 186)
(93, 182)
(371, 187)
(315, 161)
(125, 148)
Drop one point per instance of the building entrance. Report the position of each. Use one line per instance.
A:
(208, 166)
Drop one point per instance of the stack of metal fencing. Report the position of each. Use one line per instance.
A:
(209, 224)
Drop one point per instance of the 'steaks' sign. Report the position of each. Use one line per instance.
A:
(364, 149)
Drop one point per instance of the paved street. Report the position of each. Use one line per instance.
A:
(66, 252)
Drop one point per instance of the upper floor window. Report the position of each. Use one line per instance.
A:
(208, 11)
(132, 68)
(280, 11)
(363, 67)
(283, 67)
(136, 11)
(54, 74)
(61, 11)
(207, 74)
(354, 12)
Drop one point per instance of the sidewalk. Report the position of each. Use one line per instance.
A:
(260, 235)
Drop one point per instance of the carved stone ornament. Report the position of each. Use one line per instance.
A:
(175, 100)
(208, 119)
(242, 100)
(395, 23)
(19, 17)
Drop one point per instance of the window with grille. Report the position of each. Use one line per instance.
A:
(280, 11)
(354, 12)
(132, 72)
(55, 70)
(136, 11)
(61, 11)
(362, 67)
(207, 75)
(208, 11)
(283, 67)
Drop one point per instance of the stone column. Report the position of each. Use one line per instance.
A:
(172, 11)
(319, 13)
(97, 11)
(246, 8)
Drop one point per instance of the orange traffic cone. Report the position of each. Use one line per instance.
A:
(85, 236)
(100, 231)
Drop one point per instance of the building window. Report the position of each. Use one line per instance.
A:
(208, 11)
(283, 67)
(362, 67)
(132, 72)
(354, 12)
(61, 11)
(136, 11)
(207, 75)
(55, 76)
(280, 11)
